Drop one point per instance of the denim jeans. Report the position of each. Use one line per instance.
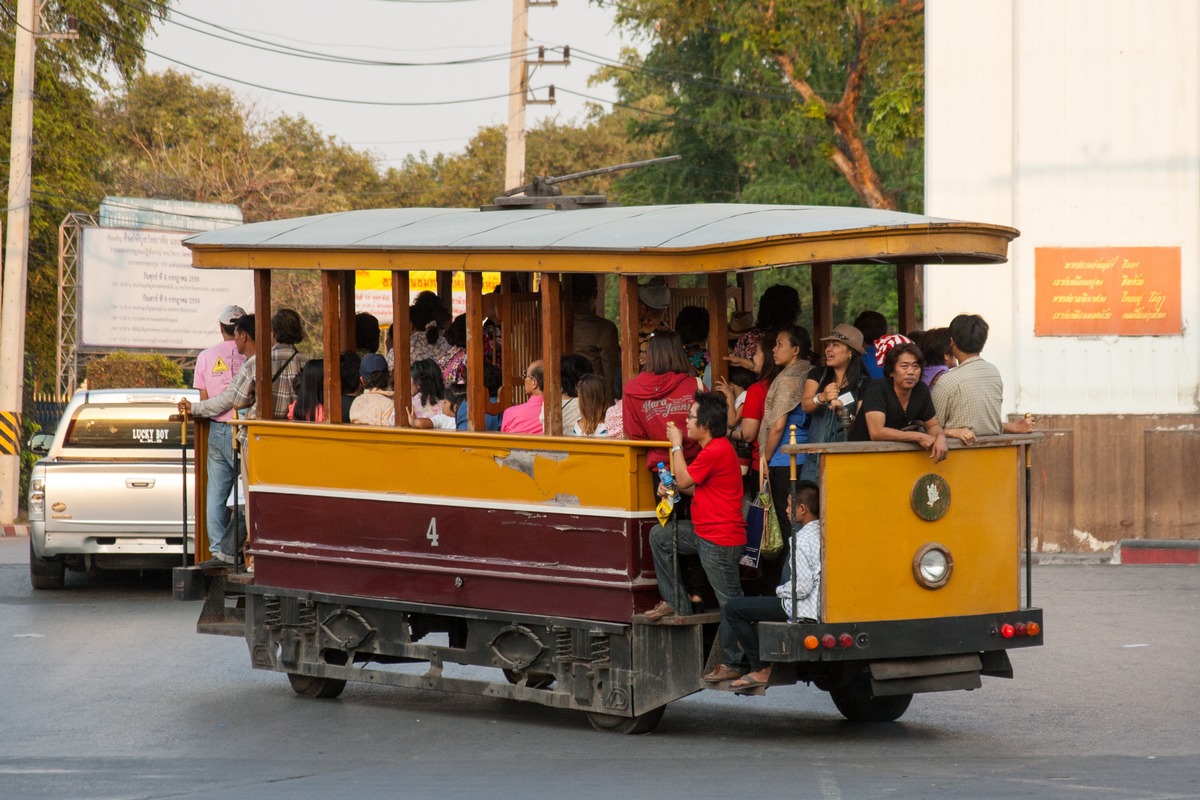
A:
(220, 484)
(737, 627)
(720, 563)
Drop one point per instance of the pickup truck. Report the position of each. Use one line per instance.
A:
(109, 491)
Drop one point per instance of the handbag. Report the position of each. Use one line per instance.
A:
(763, 536)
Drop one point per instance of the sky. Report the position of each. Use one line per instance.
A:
(409, 31)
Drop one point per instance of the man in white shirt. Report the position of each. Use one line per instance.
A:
(794, 601)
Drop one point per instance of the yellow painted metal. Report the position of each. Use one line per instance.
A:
(562, 472)
(965, 241)
(871, 534)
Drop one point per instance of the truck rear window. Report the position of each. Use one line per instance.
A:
(127, 425)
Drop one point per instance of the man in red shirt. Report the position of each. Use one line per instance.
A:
(716, 532)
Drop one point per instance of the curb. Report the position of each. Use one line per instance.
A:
(20, 529)
(1157, 551)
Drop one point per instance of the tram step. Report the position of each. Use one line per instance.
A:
(703, 618)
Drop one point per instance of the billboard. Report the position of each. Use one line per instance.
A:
(138, 290)
(373, 291)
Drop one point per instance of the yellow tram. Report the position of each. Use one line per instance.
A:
(530, 553)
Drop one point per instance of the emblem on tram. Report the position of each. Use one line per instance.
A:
(930, 497)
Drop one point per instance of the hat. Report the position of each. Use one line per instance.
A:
(847, 335)
(371, 364)
(740, 322)
(230, 315)
(885, 343)
(654, 295)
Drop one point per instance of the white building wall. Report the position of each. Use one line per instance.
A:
(1078, 123)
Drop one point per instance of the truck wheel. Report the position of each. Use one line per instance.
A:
(46, 573)
(611, 723)
(857, 704)
(310, 686)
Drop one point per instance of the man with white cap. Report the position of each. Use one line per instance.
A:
(215, 368)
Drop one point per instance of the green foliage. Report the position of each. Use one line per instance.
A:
(122, 370)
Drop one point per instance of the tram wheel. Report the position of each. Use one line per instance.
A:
(533, 680)
(310, 686)
(857, 704)
(611, 723)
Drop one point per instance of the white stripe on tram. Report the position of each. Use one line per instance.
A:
(462, 502)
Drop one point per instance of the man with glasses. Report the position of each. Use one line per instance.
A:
(527, 417)
(716, 532)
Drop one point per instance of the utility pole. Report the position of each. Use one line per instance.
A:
(520, 70)
(16, 254)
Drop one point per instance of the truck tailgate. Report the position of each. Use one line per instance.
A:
(117, 497)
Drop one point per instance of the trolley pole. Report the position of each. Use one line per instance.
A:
(16, 260)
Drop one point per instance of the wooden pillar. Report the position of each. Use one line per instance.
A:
(906, 294)
(552, 352)
(822, 300)
(346, 310)
(264, 398)
(568, 318)
(445, 290)
(718, 326)
(627, 297)
(476, 392)
(745, 282)
(332, 308)
(401, 356)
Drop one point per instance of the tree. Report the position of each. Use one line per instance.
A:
(67, 145)
(748, 77)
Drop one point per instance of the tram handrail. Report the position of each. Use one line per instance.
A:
(1002, 440)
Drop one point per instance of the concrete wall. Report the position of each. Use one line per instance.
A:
(1078, 123)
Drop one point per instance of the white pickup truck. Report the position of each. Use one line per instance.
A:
(109, 493)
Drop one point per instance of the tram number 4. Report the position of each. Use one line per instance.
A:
(431, 533)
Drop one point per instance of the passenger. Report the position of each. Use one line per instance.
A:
(716, 532)
(351, 385)
(778, 308)
(425, 339)
(782, 410)
(935, 348)
(453, 361)
(527, 417)
(614, 420)
(286, 360)
(968, 397)
(662, 393)
(740, 614)
(836, 387)
(573, 367)
(593, 404)
(309, 405)
(754, 407)
(899, 408)
(739, 322)
(366, 333)
(691, 323)
(376, 405)
(216, 368)
(239, 394)
(445, 419)
(653, 299)
(873, 325)
(493, 379)
(594, 337)
(428, 390)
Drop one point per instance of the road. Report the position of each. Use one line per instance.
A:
(108, 693)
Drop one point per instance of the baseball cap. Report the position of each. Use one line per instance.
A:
(372, 363)
(231, 314)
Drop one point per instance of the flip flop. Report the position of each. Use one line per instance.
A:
(747, 683)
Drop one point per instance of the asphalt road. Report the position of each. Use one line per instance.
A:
(108, 693)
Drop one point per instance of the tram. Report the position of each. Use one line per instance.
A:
(518, 566)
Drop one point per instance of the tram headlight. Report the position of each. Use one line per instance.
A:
(932, 565)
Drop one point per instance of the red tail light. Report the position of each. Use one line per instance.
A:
(846, 640)
(1007, 631)
(828, 642)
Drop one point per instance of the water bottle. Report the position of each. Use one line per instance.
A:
(668, 481)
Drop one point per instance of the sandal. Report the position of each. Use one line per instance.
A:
(722, 673)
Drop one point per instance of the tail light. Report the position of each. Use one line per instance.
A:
(37, 498)
(1007, 631)
(846, 640)
(828, 642)
(811, 642)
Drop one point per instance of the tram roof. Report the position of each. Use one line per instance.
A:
(679, 239)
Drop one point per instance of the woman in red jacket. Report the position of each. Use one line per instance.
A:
(662, 393)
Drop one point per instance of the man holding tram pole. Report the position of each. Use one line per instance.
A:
(716, 532)
(797, 598)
